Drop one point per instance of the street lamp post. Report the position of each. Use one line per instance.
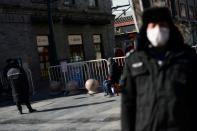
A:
(52, 46)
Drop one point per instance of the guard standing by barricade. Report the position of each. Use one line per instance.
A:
(19, 84)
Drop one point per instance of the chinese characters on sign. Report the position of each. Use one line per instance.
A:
(74, 39)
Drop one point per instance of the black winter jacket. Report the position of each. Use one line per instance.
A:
(114, 72)
(20, 86)
(160, 96)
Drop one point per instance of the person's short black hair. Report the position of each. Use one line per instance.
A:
(12, 61)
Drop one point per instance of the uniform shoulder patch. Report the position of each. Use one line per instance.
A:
(138, 64)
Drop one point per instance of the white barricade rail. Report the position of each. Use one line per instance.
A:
(120, 61)
(98, 69)
(55, 74)
(78, 71)
(81, 71)
(70, 72)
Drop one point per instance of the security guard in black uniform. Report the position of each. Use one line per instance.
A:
(161, 75)
(19, 83)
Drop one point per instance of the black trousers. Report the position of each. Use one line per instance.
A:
(27, 103)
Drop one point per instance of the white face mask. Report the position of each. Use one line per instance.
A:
(158, 36)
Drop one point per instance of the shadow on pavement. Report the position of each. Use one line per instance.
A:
(76, 106)
(80, 97)
(36, 98)
(42, 94)
(5, 102)
(79, 120)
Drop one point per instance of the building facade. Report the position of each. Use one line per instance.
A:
(125, 32)
(83, 30)
(184, 13)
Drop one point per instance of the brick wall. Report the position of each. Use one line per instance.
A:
(17, 40)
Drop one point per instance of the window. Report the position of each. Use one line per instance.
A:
(191, 12)
(42, 40)
(10, 2)
(69, 2)
(76, 53)
(76, 48)
(39, 1)
(97, 46)
(183, 10)
(93, 3)
(43, 51)
(159, 3)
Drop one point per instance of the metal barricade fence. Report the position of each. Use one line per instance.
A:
(70, 72)
(98, 69)
(55, 74)
(120, 61)
(76, 72)
(81, 71)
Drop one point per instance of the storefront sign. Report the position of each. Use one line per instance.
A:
(96, 38)
(74, 39)
(42, 40)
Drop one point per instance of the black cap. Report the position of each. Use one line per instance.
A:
(157, 14)
(10, 60)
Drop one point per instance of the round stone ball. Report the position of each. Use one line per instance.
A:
(92, 86)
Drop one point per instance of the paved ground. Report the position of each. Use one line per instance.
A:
(71, 113)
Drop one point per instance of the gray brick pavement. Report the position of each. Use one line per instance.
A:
(73, 113)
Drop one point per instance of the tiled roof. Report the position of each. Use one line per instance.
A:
(123, 21)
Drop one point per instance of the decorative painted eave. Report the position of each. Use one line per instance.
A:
(124, 21)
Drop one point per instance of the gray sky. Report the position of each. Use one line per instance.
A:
(119, 3)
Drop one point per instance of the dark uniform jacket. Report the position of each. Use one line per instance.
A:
(19, 85)
(160, 96)
(114, 72)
